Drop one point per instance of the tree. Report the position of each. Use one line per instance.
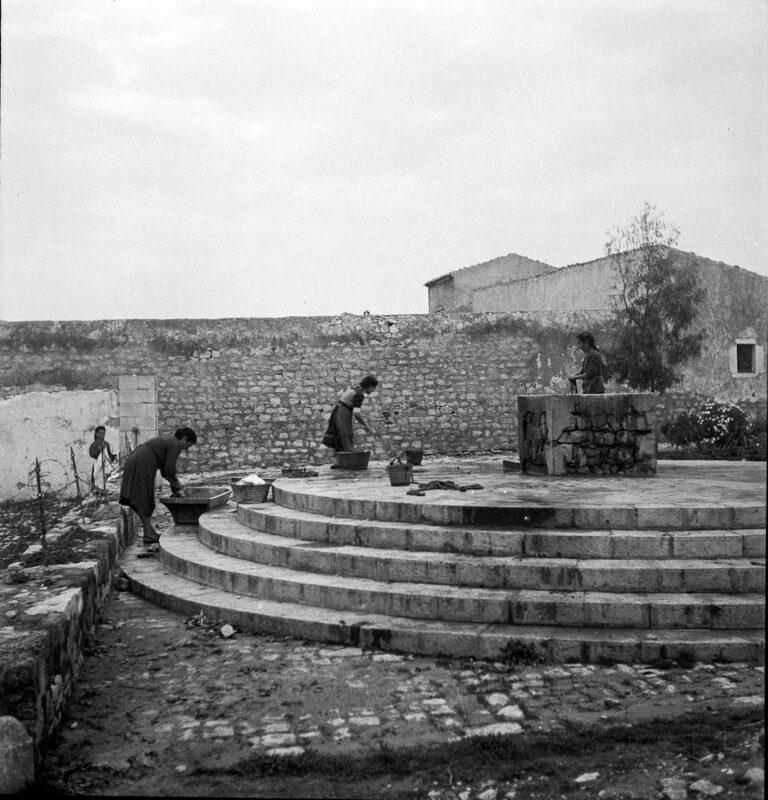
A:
(655, 306)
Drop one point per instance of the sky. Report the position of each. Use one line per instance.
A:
(248, 158)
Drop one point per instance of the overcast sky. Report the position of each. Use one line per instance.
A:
(242, 158)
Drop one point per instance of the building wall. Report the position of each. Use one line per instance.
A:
(441, 296)
(580, 287)
(44, 426)
(735, 311)
(457, 293)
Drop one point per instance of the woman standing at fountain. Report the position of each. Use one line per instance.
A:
(592, 367)
(339, 434)
(137, 490)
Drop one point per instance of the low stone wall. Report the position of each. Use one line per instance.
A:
(582, 434)
(49, 614)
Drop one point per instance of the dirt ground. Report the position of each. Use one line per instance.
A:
(167, 707)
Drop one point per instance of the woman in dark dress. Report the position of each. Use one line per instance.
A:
(592, 367)
(137, 489)
(339, 433)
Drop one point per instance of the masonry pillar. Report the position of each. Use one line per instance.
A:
(137, 398)
(578, 434)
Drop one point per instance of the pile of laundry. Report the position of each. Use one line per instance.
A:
(425, 487)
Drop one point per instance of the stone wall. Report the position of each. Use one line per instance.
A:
(576, 434)
(47, 626)
(260, 391)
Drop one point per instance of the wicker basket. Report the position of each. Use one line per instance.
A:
(250, 493)
(400, 474)
(413, 455)
(348, 459)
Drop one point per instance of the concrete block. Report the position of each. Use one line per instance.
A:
(127, 382)
(17, 757)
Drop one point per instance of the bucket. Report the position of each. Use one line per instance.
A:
(413, 455)
(250, 493)
(400, 474)
(353, 459)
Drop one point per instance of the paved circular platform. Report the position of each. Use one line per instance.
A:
(682, 494)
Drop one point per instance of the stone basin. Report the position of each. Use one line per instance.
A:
(196, 501)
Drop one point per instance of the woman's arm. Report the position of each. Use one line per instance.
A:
(168, 468)
(359, 417)
(591, 367)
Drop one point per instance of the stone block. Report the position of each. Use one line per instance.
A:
(17, 757)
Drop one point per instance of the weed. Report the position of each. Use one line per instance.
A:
(519, 652)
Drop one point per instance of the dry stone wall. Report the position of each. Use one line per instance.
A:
(259, 391)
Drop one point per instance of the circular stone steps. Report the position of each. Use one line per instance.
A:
(516, 508)
(524, 567)
(223, 534)
(618, 544)
(527, 643)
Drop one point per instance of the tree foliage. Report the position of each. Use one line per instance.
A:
(655, 306)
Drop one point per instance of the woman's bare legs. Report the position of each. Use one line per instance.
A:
(150, 534)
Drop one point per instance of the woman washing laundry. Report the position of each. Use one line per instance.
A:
(339, 434)
(137, 489)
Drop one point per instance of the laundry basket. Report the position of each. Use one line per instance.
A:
(413, 455)
(250, 493)
(399, 474)
(348, 459)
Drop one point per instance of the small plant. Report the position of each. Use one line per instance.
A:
(521, 653)
(686, 658)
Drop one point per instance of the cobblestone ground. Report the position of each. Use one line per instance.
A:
(166, 705)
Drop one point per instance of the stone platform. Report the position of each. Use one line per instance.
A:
(558, 568)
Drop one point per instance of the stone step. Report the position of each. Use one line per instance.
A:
(283, 521)
(183, 554)
(508, 508)
(527, 643)
(225, 534)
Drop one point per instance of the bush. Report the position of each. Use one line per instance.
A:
(718, 430)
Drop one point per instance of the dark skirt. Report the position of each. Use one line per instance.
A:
(137, 488)
(338, 435)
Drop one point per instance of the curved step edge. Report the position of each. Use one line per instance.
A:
(226, 535)
(183, 554)
(648, 543)
(150, 580)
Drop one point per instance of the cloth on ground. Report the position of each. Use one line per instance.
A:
(425, 487)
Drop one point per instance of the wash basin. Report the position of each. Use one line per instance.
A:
(197, 500)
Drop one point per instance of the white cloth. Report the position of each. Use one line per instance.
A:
(102, 469)
(250, 480)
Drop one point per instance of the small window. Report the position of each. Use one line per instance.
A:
(745, 358)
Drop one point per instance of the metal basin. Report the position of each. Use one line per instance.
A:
(197, 500)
